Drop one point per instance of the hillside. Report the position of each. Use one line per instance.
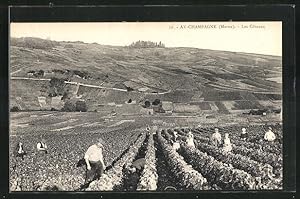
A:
(182, 74)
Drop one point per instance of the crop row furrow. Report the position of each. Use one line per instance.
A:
(187, 176)
(255, 154)
(149, 177)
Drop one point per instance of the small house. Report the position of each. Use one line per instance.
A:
(167, 106)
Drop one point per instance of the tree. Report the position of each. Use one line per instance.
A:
(156, 102)
(69, 107)
(81, 106)
(146, 44)
(56, 87)
(66, 95)
(147, 104)
(14, 109)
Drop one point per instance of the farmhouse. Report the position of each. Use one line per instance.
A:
(167, 106)
(42, 102)
(143, 89)
(146, 111)
(158, 109)
(57, 103)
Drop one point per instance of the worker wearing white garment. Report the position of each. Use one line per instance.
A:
(94, 161)
(269, 135)
(175, 136)
(42, 146)
(216, 138)
(244, 134)
(227, 147)
(190, 140)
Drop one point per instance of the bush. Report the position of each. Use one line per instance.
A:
(82, 74)
(156, 102)
(66, 95)
(147, 104)
(57, 86)
(15, 109)
(81, 106)
(69, 107)
(39, 73)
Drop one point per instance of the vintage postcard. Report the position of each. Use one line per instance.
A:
(146, 106)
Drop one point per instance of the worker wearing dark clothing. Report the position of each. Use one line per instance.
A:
(244, 134)
(20, 152)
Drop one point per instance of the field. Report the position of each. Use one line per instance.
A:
(252, 164)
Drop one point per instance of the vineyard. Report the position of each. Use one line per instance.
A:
(251, 165)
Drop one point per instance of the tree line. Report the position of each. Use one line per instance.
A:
(146, 44)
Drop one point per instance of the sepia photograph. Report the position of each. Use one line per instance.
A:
(145, 106)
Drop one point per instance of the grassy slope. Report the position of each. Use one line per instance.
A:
(187, 70)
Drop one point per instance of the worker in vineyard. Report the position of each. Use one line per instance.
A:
(42, 146)
(138, 165)
(216, 138)
(227, 147)
(244, 135)
(20, 152)
(190, 140)
(269, 135)
(133, 171)
(175, 135)
(175, 145)
(94, 161)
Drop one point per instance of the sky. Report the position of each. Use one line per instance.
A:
(250, 37)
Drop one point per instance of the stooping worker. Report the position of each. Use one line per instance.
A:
(190, 140)
(227, 147)
(42, 146)
(244, 135)
(269, 135)
(94, 161)
(175, 135)
(20, 152)
(176, 145)
(216, 138)
(133, 170)
(138, 165)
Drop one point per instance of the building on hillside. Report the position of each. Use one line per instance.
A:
(146, 111)
(42, 102)
(20, 103)
(167, 106)
(143, 89)
(57, 103)
(30, 74)
(130, 101)
(158, 109)
(48, 73)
